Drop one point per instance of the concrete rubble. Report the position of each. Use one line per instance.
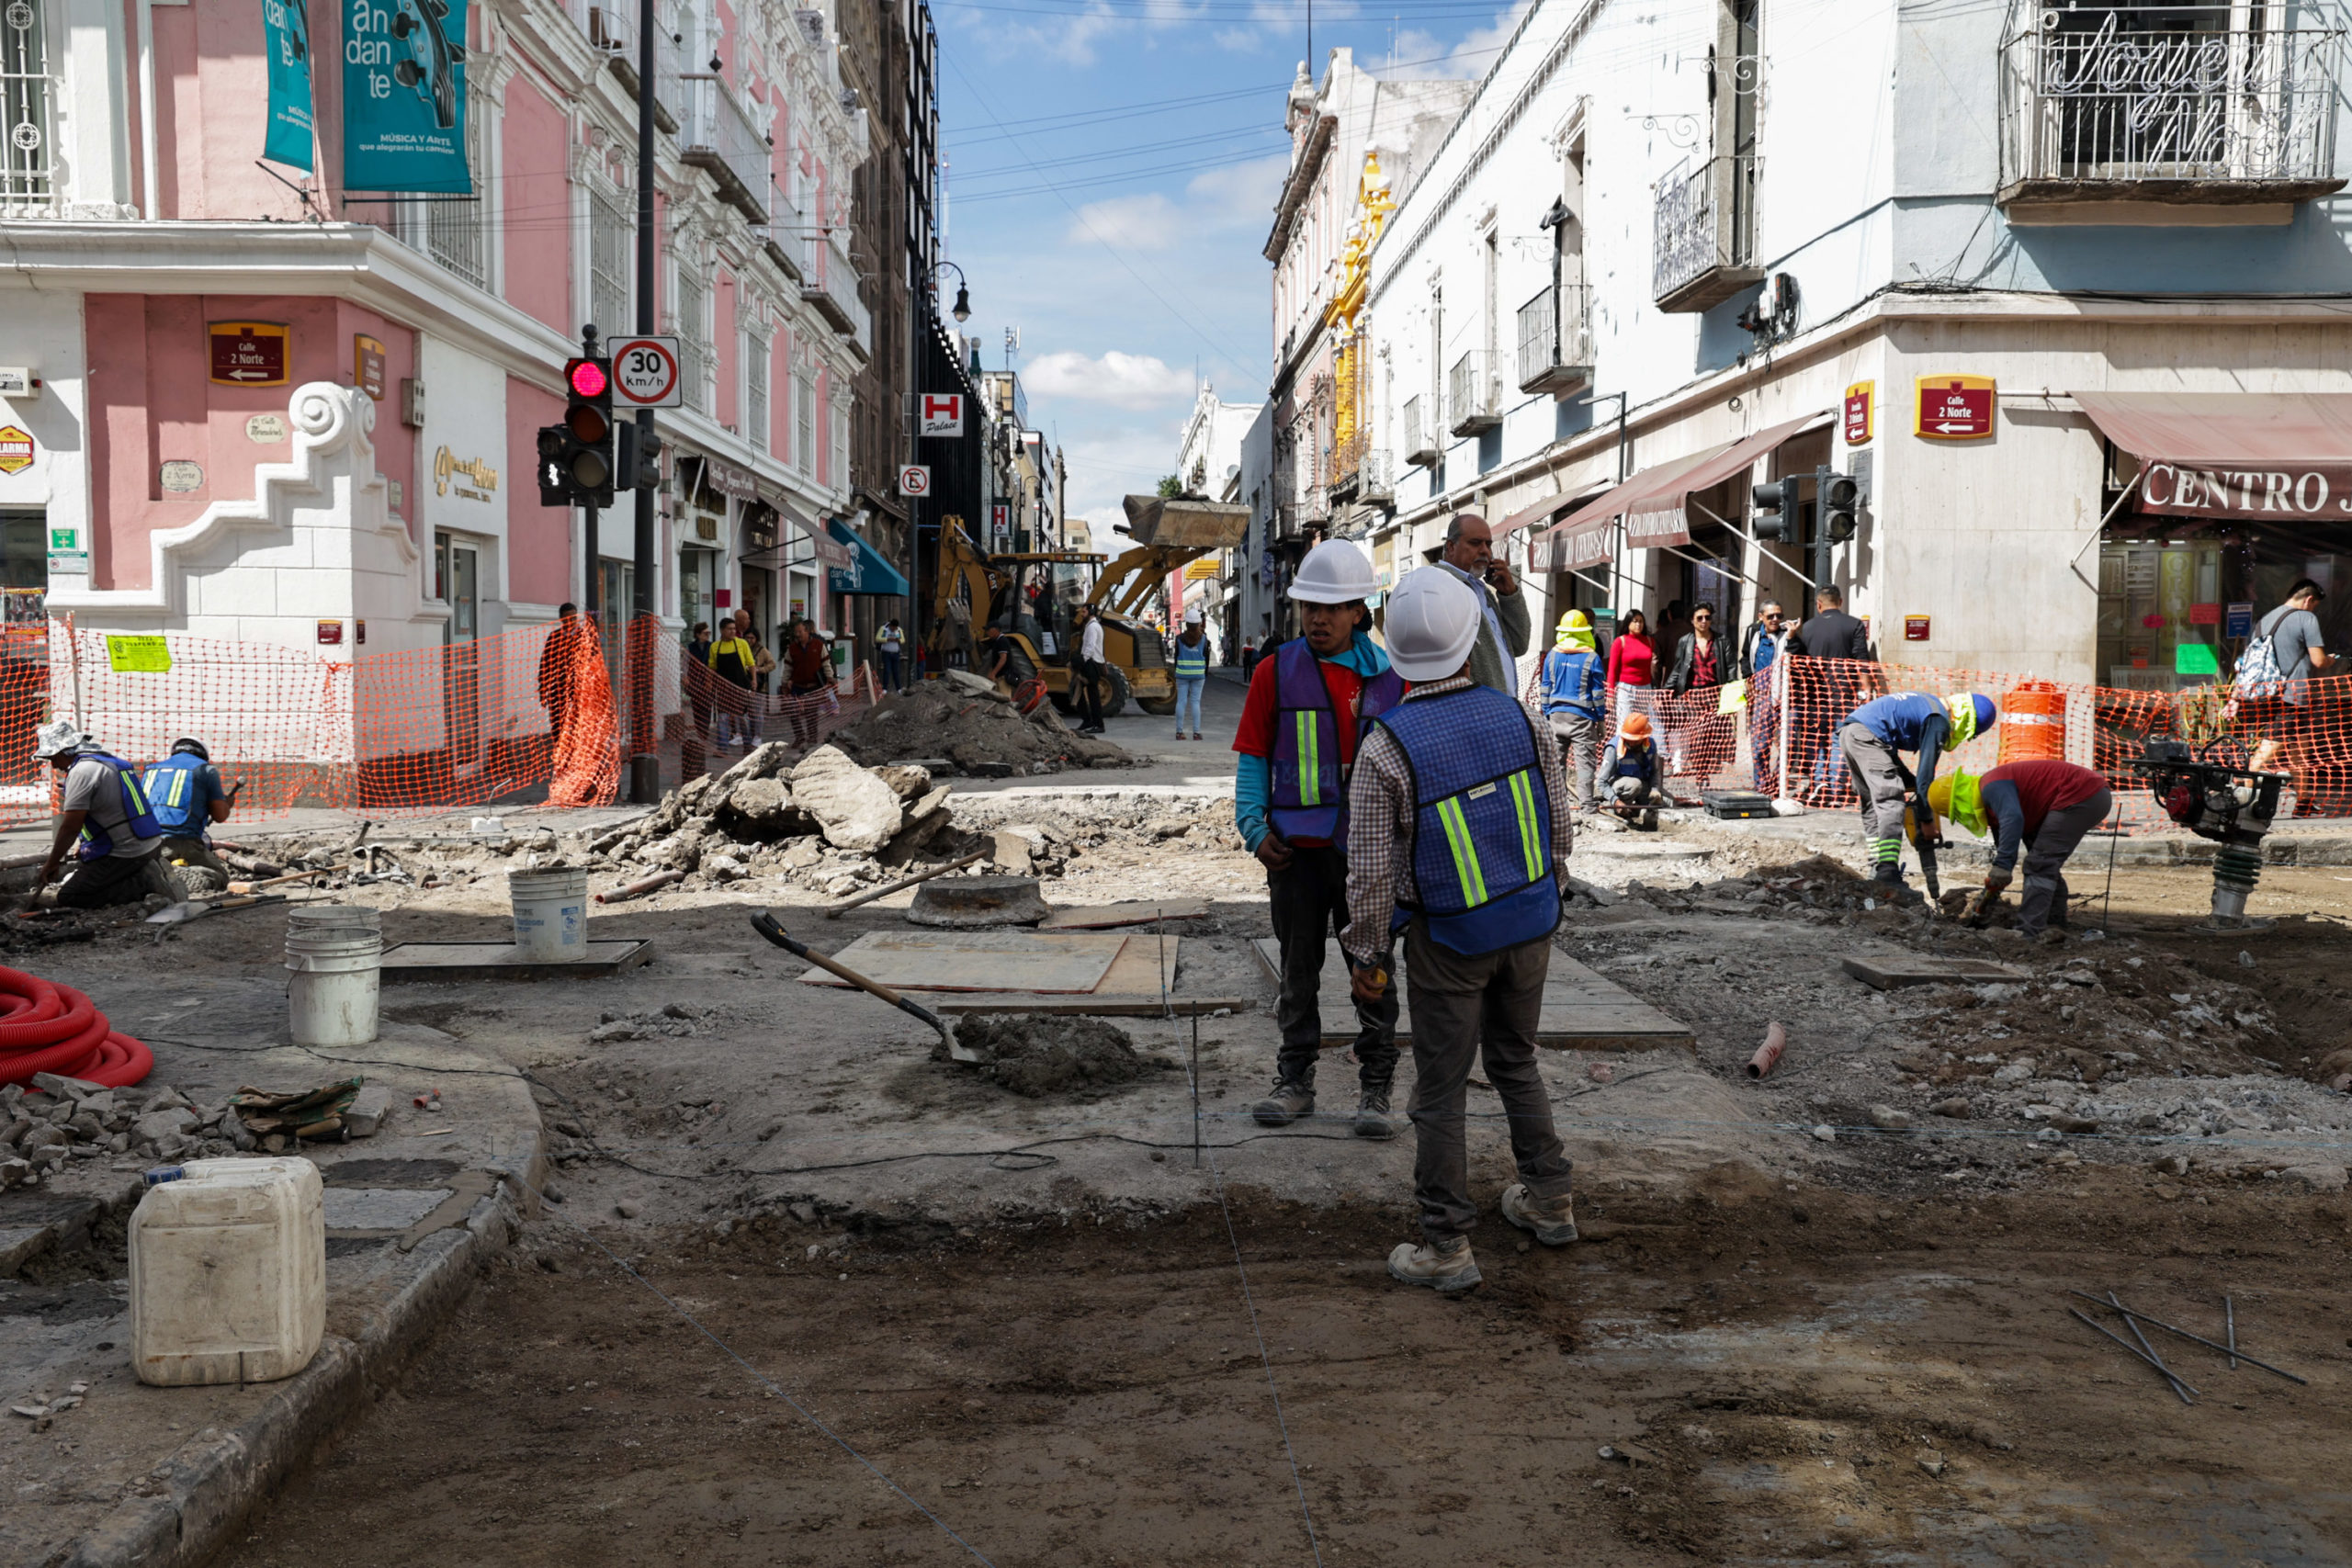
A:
(968, 722)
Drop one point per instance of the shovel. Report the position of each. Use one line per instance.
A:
(765, 922)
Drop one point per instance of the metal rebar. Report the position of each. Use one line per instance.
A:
(2129, 1346)
(1196, 1089)
(2225, 1349)
(2230, 1312)
(2178, 1381)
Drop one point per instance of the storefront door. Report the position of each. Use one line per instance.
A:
(457, 568)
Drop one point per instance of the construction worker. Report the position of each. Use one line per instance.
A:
(1189, 658)
(106, 821)
(2046, 806)
(1462, 845)
(1573, 700)
(1631, 778)
(184, 791)
(1873, 739)
(1309, 704)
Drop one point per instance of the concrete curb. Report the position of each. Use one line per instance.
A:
(211, 1482)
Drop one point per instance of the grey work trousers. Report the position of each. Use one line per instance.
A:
(1463, 1009)
(2044, 902)
(1580, 749)
(116, 879)
(1878, 779)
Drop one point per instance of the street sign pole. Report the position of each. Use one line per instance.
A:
(645, 760)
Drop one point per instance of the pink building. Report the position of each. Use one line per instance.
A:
(256, 404)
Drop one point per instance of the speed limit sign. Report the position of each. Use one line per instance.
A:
(914, 479)
(645, 373)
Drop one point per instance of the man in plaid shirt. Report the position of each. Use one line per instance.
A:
(1457, 805)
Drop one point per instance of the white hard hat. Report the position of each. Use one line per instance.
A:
(1432, 624)
(1192, 616)
(1335, 572)
(57, 738)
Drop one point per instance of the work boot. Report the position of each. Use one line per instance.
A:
(1288, 1103)
(1553, 1220)
(1448, 1270)
(1371, 1115)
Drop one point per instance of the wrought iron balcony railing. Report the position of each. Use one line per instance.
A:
(1555, 340)
(1473, 395)
(1704, 234)
(1421, 445)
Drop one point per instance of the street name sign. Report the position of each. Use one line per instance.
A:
(1954, 408)
(248, 354)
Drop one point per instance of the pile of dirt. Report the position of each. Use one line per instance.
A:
(968, 722)
(1036, 1055)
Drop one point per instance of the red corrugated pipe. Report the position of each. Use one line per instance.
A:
(49, 1028)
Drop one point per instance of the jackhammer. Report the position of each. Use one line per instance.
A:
(2230, 805)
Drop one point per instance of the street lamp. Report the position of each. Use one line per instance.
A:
(963, 310)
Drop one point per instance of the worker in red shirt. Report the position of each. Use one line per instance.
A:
(1310, 702)
(2046, 806)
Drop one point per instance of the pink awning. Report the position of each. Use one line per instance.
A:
(1544, 511)
(2233, 454)
(1584, 539)
(1659, 516)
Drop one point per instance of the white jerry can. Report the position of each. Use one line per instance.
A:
(229, 1273)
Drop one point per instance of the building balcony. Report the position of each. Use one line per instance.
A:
(716, 136)
(1473, 395)
(1704, 234)
(1555, 340)
(1376, 475)
(829, 282)
(2212, 109)
(1421, 445)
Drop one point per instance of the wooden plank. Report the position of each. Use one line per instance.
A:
(1138, 912)
(1910, 969)
(979, 961)
(1583, 1010)
(500, 961)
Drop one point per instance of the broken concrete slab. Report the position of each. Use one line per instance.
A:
(1582, 1011)
(502, 961)
(1137, 912)
(1893, 973)
(978, 961)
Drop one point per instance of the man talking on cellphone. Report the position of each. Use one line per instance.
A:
(1469, 554)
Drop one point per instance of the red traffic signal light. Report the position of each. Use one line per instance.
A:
(588, 379)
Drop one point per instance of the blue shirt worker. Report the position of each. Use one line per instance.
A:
(106, 822)
(1873, 739)
(185, 791)
(1630, 778)
(1309, 704)
(1461, 845)
(1572, 682)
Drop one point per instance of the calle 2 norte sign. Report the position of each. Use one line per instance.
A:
(404, 97)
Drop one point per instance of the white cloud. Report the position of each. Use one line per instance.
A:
(1146, 222)
(1423, 54)
(1240, 193)
(1120, 381)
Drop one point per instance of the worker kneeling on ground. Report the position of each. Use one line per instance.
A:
(1309, 704)
(185, 793)
(1873, 739)
(1462, 841)
(2047, 807)
(107, 823)
(1630, 780)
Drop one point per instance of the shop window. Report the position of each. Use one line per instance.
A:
(2174, 613)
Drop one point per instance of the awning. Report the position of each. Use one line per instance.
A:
(1587, 537)
(1659, 516)
(1544, 511)
(2288, 455)
(867, 572)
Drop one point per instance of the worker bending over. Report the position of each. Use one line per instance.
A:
(1310, 701)
(184, 791)
(107, 823)
(1873, 739)
(1631, 782)
(1462, 840)
(2046, 806)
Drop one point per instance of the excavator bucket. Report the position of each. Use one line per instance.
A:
(1185, 525)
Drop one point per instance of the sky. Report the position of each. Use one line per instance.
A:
(1111, 173)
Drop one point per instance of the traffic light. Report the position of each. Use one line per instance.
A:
(1776, 507)
(639, 465)
(1840, 499)
(576, 457)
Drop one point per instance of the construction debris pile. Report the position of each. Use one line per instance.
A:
(1036, 839)
(1038, 1055)
(966, 721)
(62, 1120)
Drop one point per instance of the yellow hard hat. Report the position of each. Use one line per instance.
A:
(1573, 621)
(1955, 797)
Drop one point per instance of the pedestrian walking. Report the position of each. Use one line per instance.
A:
(1633, 658)
(105, 820)
(762, 671)
(1248, 658)
(1090, 668)
(1191, 662)
(1761, 647)
(1460, 844)
(733, 660)
(2047, 807)
(1699, 662)
(1873, 739)
(1309, 708)
(1468, 555)
(808, 675)
(559, 671)
(890, 642)
(184, 791)
(696, 678)
(1572, 682)
(2270, 692)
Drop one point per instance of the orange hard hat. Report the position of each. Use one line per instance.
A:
(1634, 727)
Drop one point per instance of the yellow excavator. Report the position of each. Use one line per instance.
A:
(1035, 596)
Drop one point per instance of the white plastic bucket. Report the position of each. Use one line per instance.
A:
(229, 1273)
(550, 915)
(336, 952)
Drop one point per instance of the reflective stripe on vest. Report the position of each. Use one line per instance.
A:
(1309, 788)
(1192, 663)
(169, 785)
(94, 841)
(1482, 825)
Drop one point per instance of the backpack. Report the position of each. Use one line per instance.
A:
(2257, 673)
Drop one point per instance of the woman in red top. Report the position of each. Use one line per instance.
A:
(1631, 659)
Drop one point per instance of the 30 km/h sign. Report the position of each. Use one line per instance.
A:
(645, 373)
(1954, 408)
(914, 479)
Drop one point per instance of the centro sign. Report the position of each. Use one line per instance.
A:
(2244, 493)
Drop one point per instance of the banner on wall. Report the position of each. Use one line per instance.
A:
(404, 97)
(287, 29)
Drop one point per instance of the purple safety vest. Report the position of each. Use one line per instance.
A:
(1310, 788)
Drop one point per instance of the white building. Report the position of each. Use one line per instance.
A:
(1208, 463)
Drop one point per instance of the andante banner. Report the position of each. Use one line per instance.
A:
(287, 29)
(404, 97)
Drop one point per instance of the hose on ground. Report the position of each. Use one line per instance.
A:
(51, 1028)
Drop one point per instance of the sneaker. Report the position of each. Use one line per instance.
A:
(1371, 1115)
(1287, 1104)
(1179, 735)
(1196, 735)
(1449, 1271)
(1553, 1220)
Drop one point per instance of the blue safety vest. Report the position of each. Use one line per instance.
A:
(1899, 719)
(96, 841)
(175, 789)
(1192, 663)
(1481, 821)
(1309, 798)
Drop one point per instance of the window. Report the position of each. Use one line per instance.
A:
(755, 391)
(804, 423)
(694, 355)
(612, 232)
(457, 229)
(26, 133)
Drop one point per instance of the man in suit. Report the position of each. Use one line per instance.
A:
(1468, 555)
(1832, 633)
